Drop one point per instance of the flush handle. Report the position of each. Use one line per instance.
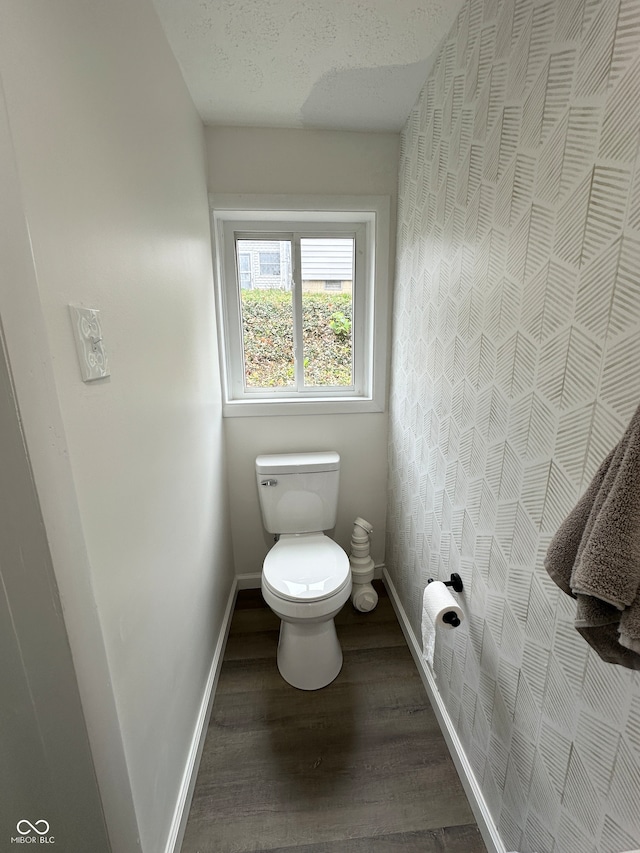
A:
(269, 483)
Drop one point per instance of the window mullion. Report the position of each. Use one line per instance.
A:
(297, 312)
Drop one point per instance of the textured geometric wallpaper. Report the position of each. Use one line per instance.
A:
(516, 368)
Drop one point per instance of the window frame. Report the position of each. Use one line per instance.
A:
(312, 216)
(236, 231)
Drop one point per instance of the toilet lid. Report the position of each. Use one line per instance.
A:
(308, 567)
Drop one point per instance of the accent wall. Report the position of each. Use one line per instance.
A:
(515, 369)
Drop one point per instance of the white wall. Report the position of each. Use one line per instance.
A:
(363, 474)
(111, 164)
(260, 160)
(32, 372)
(47, 768)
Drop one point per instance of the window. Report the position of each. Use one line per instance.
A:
(244, 269)
(269, 263)
(298, 336)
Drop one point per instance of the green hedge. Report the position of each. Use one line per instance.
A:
(268, 338)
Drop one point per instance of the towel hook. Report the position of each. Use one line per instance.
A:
(455, 582)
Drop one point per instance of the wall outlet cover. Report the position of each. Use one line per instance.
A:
(89, 344)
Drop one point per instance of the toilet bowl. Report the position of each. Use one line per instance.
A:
(306, 576)
(306, 580)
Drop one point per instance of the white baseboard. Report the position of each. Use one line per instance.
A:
(185, 795)
(249, 580)
(486, 825)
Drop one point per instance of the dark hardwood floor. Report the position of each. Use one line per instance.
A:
(358, 767)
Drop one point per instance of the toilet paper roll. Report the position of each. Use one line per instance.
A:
(437, 602)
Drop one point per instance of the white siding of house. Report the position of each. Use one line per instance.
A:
(322, 260)
(327, 260)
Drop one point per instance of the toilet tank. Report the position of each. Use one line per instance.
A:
(298, 491)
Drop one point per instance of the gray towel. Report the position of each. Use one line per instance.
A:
(595, 555)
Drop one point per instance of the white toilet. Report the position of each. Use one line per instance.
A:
(306, 577)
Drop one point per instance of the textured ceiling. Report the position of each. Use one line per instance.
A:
(340, 64)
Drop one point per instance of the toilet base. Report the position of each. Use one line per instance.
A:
(309, 654)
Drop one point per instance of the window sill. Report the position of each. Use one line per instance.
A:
(308, 406)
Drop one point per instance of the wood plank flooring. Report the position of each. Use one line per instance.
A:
(357, 767)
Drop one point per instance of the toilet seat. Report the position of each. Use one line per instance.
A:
(306, 567)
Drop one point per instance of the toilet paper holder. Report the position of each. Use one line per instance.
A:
(455, 582)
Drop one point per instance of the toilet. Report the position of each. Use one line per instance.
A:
(306, 576)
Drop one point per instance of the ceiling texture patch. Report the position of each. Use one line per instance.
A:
(306, 63)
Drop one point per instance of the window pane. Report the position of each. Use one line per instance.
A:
(267, 313)
(244, 269)
(269, 263)
(327, 310)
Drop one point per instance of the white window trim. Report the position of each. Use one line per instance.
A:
(371, 211)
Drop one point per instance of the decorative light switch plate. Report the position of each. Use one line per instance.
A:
(88, 335)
